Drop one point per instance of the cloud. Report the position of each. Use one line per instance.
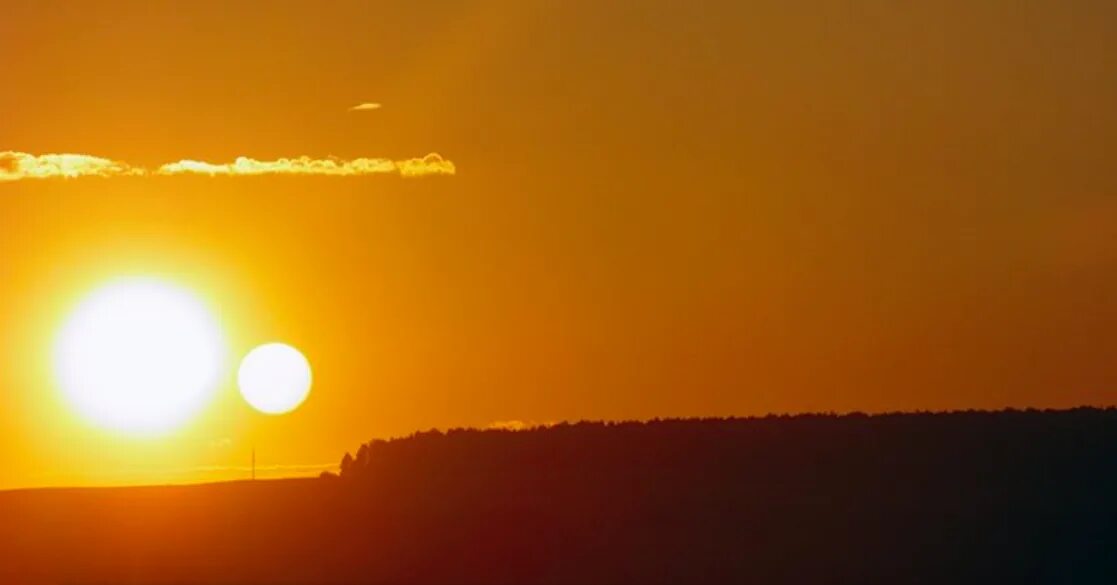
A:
(432, 164)
(15, 166)
(307, 467)
(222, 443)
(518, 425)
(205, 473)
(365, 107)
(303, 165)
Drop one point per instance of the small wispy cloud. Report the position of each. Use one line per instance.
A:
(432, 164)
(365, 107)
(518, 425)
(307, 467)
(221, 443)
(207, 473)
(15, 166)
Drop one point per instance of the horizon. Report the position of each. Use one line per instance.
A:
(798, 499)
(251, 473)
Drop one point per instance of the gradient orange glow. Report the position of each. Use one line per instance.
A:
(634, 211)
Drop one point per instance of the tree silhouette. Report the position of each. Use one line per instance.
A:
(1019, 496)
(346, 468)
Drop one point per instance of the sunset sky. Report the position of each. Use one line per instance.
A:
(621, 210)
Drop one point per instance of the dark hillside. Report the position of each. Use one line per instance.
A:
(1016, 497)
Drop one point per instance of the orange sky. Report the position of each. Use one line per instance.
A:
(659, 209)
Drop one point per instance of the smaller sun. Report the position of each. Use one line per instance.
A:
(274, 378)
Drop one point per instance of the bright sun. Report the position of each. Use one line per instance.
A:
(274, 378)
(139, 355)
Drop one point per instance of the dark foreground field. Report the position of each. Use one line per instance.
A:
(1011, 497)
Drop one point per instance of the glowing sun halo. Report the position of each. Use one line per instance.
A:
(274, 378)
(139, 355)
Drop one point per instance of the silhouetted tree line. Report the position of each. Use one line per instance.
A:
(1012, 496)
(965, 497)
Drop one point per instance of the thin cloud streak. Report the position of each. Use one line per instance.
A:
(432, 164)
(277, 467)
(208, 473)
(16, 166)
(518, 425)
(365, 107)
(244, 166)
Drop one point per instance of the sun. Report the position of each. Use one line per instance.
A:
(274, 378)
(139, 355)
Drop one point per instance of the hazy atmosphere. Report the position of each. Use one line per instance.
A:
(516, 210)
